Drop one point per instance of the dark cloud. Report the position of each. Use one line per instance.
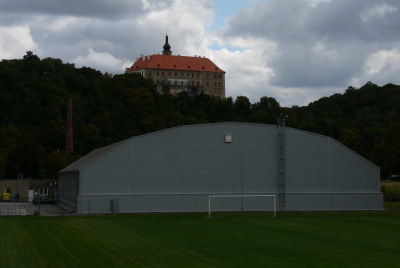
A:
(88, 8)
(276, 20)
(362, 20)
(322, 46)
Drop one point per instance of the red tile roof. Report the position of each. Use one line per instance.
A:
(172, 62)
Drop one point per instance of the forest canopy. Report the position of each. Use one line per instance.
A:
(34, 93)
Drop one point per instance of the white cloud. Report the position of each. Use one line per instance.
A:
(378, 11)
(15, 42)
(314, 3)
(185, 22)
(62, 23)
(246, 72)
(380, 68)
(102, 61)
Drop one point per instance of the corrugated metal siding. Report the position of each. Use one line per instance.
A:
(307, 162)
(111, 175)
(351, 173)
(69, 189)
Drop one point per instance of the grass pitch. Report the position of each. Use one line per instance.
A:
(314, 239)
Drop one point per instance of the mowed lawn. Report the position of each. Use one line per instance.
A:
(318, 239)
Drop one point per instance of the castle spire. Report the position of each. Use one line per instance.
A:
(167, 47)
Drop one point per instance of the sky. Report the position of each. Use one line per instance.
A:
(295, 51)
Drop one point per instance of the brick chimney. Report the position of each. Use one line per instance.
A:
(70, 139)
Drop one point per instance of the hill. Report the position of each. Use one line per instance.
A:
(34, 92)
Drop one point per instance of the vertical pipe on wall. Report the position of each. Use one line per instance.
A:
(80, 180)
(329, 168)
(241, 177)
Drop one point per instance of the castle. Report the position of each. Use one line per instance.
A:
(173, 74)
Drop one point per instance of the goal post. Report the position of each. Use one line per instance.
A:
(247, 195)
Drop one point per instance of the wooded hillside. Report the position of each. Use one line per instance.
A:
(34, 92)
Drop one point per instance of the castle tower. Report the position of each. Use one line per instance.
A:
(167, 47)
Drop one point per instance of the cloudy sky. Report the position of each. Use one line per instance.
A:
(296, 51)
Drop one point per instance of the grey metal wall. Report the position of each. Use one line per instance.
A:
(177, 169)
(322, 174)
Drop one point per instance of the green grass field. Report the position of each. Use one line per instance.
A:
(317, 239)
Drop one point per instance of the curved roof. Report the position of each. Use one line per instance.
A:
(172, 62)
(100, 152)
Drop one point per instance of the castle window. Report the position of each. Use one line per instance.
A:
(192, 75)
(157, 73)
(198, 83)
(203, 68)
(176, 74)
(158, 65)
(207, 83)
(219, 76)
(169, 74)
(215, 84)
(215, 76)
(219, 90)
(219, 83)
(207, 75)
(175, 66)
(182, 74)
(150, 72)
(215, 90)
(189, 67)
(197, 75)
(162, 73)
(188, 74)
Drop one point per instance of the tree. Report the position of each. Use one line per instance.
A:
(351, 139)
(387, 153)
(242, 108)
(26, 158)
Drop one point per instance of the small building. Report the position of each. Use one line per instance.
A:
(176, 170)
(173, 74)
(27, 189)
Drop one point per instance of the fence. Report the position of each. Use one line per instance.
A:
(17, 209)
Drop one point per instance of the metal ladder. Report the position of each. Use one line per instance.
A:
(20, 185)
(281, 160)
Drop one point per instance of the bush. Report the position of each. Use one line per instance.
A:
(391, 191)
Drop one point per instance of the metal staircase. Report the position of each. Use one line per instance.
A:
(281, 160)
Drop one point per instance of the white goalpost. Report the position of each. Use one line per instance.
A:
(221, 196)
